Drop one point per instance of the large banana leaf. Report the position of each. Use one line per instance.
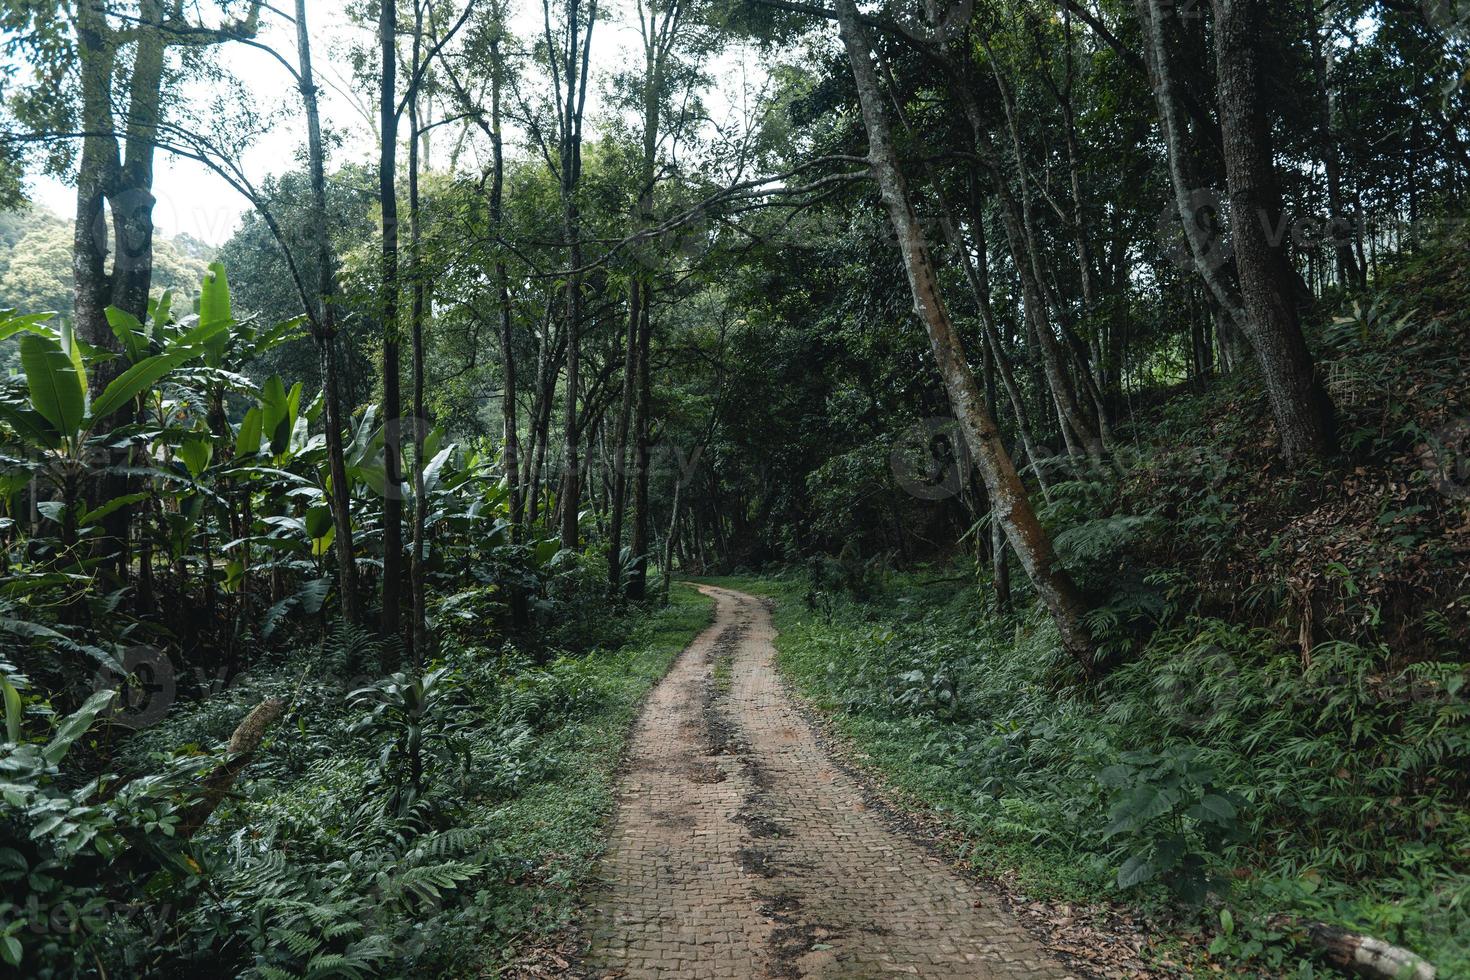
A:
(247, 439)
(55, 389)
(214, 309)
(129, 331)
(138, 379)
(12, 323)
(276, 415)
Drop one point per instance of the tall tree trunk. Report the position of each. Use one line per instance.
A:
(510, 453)
(1007, 494)
(1068, 404)
(324, 330)
(1303, 412)
(1190, 192)
(1339, 227)
(419, 635)
(620, 444)
(642, 450)
(577, 61)
(392, 400)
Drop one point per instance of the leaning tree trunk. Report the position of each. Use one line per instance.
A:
(1007, 494)
(1303, 412)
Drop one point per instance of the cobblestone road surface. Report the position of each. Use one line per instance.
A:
(741, 850)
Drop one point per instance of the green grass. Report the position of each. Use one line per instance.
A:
(557, 828)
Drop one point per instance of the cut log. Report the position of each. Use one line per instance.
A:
(1366, 956)
(242, 748)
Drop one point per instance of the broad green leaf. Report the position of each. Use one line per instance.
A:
(431, 472)
(247, 439)
(162, 311)
(55, 389)
(127, 329)
(12, 323)
(136, 380)
(1214, 809)
(73, 350)
(1136, 870)
(13, 710)
(30, 425)
(116, 503)
(214, 311)
(276, 418)
(318, 521)
(195, 453)
(75, 726)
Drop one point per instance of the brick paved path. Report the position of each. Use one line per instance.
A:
(740, 850)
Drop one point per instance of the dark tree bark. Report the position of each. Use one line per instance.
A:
(324, 329)
(392, 594)
(1302, 410)
(417, 573)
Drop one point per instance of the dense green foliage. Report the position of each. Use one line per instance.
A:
(1227, 761)
(325, 590)
(409, 826)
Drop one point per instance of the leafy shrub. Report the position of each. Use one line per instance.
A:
(1170, 815)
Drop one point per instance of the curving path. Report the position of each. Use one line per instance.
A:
(741, 850)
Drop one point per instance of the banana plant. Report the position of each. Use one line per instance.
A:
(57, 418)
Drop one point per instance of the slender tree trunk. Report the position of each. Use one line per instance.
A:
(324, 330)
(1340, 228)
(1303, 412)
(620, 445)
(416, 570)
(392, 399)
(638, 572)
(510, 453)
(1007, 494)
(1190, 193)
(571, 171)
(1068, 404)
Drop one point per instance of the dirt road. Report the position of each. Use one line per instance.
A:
(741, 850)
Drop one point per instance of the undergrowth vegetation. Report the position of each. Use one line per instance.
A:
(1286, 738)
(408, 825)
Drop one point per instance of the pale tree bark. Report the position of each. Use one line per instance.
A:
(1301, 407)
(620, 447)
(324, 328)
(510, 454)
(642, 458)
(570, 110)
(657, 34)
(1188, 186)
(1087, 436)
(1008, 496)
(1340, 229)
(1075, 429)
